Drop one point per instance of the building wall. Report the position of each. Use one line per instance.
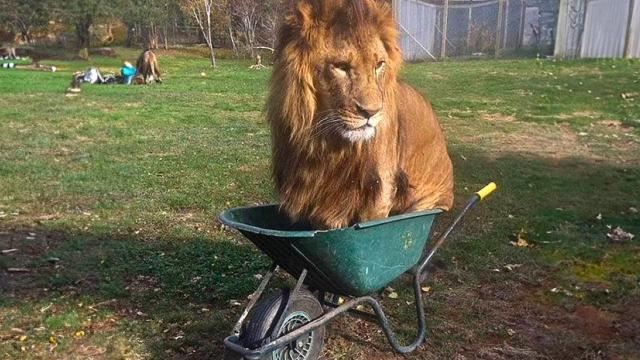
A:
(598, 29)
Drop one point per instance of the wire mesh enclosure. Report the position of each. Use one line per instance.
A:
(437, 29)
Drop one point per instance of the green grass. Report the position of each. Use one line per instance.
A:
(111, 198)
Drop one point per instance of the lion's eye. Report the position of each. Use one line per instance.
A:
(341, 68)
(380, 65)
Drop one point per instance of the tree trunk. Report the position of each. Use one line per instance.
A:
(233, 42)
(84, 37)
(83, 32)
(213, 57)
(130, 35)
(165, 34)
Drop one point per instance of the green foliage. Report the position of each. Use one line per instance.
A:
(23, 15)
(82, 14)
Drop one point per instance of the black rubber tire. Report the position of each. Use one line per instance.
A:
(265, 315)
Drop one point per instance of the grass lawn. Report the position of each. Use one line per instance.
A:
(110, 198)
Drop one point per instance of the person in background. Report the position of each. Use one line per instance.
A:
(93, 76)
(128, 72)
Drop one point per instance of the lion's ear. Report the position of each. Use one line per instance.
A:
(305, 16)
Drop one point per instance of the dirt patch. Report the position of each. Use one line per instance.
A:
(498, 118)
(595, 324)
(506, 351)
(553, 141)
(615, 125)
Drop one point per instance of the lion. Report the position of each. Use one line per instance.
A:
(148, 67)
(350, 142)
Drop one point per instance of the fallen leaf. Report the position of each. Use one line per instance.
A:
(511, 332)
(619, 235)
(599, 217)
(393, 295)
(559, 289)
(520, 241)
(23, 338)
(426, 289)
(79, 334)
(511, 267)
(633, 210)
(235, 303)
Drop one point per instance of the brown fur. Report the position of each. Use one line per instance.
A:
(341, 57)
(147, 66)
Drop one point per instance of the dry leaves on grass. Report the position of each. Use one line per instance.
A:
(620, 236)
(519, 240)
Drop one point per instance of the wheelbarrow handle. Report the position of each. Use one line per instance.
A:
(487, 190)
(471, 203)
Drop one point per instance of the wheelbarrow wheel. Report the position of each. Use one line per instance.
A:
(259, 330)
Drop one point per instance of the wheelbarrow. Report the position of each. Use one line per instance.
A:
(329, 265)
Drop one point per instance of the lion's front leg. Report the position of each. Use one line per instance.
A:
(381, 207)
(375, 211)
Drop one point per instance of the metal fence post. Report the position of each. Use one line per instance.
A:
(627, 41)
(445, 26)
(499, 26)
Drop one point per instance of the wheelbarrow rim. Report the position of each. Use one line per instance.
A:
(225, 218)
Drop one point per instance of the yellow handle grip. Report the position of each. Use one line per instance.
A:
(487, 190)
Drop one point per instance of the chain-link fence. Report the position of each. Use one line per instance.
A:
(437, 29)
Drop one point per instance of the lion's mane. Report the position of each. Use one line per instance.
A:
(332, 184)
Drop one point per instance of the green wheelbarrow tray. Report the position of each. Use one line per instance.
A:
(353, 261)
(356, 262)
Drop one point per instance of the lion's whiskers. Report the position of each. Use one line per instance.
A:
(325, 125)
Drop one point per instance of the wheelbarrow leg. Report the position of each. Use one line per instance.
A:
(254, 298)
(290, 298)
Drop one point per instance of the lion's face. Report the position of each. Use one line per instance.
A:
(339, 59)
(350, 81)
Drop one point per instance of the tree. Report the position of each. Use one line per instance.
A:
(255, 23)
(273, 10)
(24, 15)
(82, 14)
(149, 21)
(202, 12)
(246, 19)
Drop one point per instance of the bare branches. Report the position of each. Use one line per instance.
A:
(201, 11)
(255, 23)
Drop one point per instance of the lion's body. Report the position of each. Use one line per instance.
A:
(327, 180)
(148, 66)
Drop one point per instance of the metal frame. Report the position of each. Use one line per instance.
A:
(233, 342)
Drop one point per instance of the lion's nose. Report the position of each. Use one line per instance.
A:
(368, 111)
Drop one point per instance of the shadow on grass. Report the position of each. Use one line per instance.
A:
(170, 297)
(165, 299)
